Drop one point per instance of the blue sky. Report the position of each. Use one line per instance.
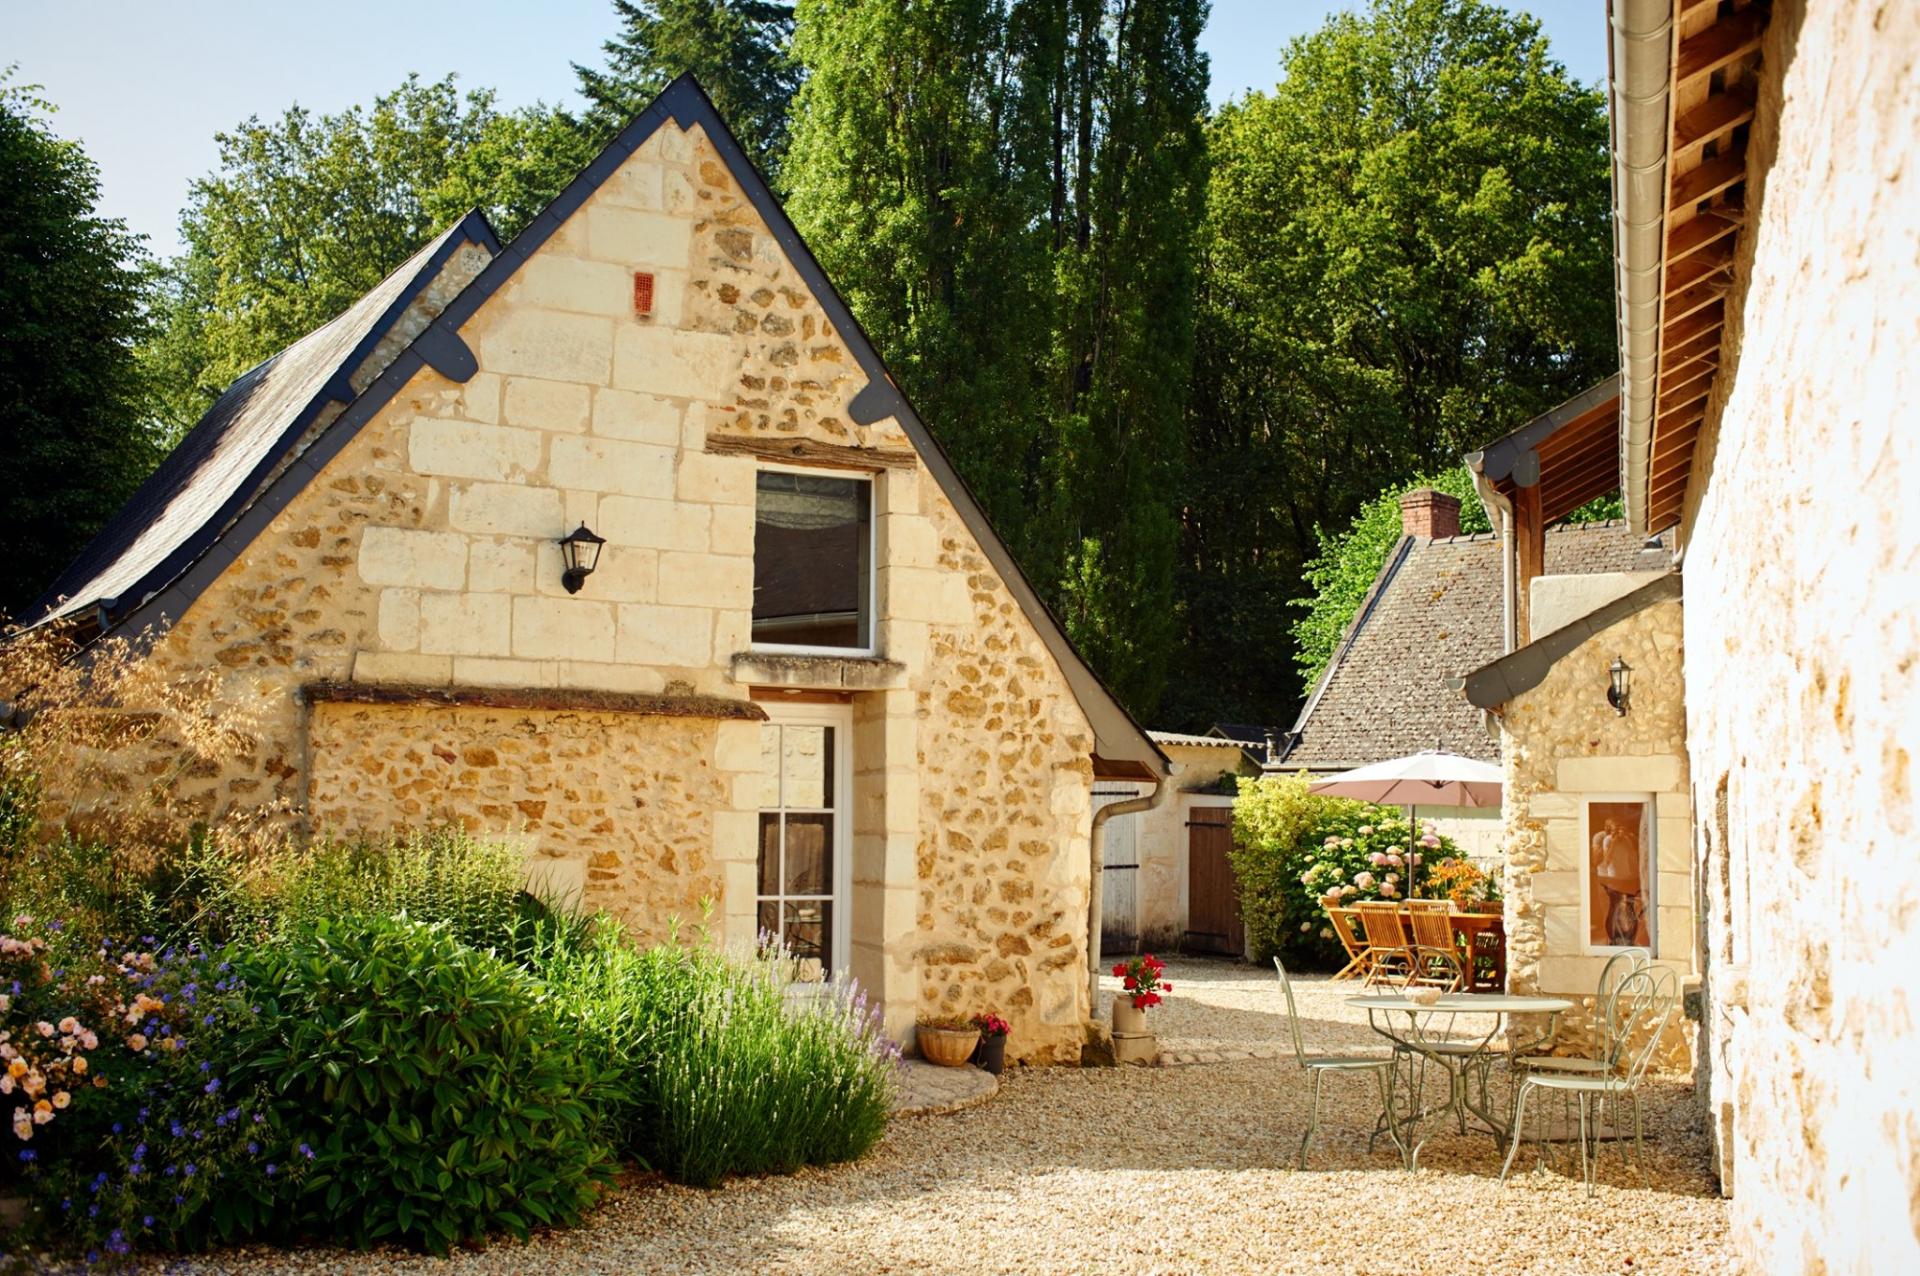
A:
(145, 86)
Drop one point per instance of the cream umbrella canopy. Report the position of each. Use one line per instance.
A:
(1432, 778)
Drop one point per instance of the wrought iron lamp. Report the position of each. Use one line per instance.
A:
(1619, 685)
(580, 551)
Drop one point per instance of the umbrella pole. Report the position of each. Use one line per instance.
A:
(1413, 840)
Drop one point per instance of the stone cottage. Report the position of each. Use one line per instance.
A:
(1434, 612)
(619, 539)
(1768, 276)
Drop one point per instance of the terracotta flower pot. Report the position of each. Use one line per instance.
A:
(948, 1047)
(1127, 1017)
(991, 1054)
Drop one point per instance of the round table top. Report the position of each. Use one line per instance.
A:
(1494, 1003)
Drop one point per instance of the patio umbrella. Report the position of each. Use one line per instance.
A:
(1432, 778)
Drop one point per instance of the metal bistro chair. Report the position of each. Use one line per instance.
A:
(1318, 1065)
(1433, 936)
(1390, 950)
(1641, 1006)
(1346, 926)
(1606, 1046)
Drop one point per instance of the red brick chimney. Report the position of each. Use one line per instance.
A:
(1429, 514)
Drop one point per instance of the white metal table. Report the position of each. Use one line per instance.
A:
(1409, 1026)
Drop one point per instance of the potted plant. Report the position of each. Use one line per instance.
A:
(1140, 989)
(947, 1040)
(991, 1054)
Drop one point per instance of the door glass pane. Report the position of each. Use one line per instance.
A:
(769, 920)
(809, 855)
(769, 852)
(807, 767)
(808, 926)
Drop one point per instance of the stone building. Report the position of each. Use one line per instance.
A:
(1433, 613)
(1768, 265)
(803, 684)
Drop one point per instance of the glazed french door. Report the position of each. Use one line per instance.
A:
(805, 806)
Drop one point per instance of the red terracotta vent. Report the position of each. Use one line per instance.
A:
(642, 293)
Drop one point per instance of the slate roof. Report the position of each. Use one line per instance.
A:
(226, 460)
(1433, 614)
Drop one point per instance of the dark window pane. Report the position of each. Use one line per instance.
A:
(811, 568)
(809, 855)
(769, 853)
(809, 927)
(769, 921)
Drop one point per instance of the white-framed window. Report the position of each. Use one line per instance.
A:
(813, 562)
(1617, 877)
(803, 874)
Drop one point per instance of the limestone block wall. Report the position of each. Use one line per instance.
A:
(426, 554)
(1803, 656)
(1562, 744)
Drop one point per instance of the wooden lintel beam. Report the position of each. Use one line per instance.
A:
(1689, 238)
(1714, 118)
(1530, 543)
(1723, 43)
(1708, 180)
(808, 452)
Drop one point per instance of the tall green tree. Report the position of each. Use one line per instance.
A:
(307, 212)
(1006, 192)
(737, 48)
(73, 436)
(1406, 253)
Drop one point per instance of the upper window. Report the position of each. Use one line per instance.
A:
(813, 562)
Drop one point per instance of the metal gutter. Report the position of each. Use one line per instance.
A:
(1640, 61)
(1500, 514)
(1097, 864)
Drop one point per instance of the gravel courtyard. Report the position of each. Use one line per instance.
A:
(1184, 1168)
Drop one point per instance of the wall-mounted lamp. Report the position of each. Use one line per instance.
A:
(580, 550)
(1619, 685)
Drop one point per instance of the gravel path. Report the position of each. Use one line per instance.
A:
(1145, 1170)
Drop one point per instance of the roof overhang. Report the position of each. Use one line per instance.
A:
(1570, 454)
(1682, 79)
(1520, 671)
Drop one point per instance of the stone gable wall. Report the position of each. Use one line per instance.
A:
(1803, 656)
(426, 554)
(1561, 743)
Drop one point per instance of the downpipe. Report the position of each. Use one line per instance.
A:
(1097, 858)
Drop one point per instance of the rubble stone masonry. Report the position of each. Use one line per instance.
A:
(1802, 562)
(425, 555)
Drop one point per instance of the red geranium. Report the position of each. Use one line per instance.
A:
(1141, 977)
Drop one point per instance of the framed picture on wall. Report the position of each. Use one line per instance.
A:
(1617, 885)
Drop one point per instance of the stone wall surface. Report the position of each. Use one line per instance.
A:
(1803, 656)
(1562, 743)
(426, 554)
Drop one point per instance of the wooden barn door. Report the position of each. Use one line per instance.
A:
(1213, 896)
(1120, 885)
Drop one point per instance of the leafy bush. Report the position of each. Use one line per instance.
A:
(125, 1131)
(733, 1071)
(438, 876)
(1293, 850)
(441, 1097)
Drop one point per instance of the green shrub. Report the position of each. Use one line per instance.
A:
(439, 876)
(441, 1096)
(1293, 849)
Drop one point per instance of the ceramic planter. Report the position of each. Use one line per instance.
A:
(991, 1054)
(948, 1047)
(1128, 1019)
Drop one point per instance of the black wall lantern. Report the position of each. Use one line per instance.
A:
(1619, 688)
(580, 550)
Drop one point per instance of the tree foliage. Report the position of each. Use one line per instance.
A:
(75, 444)
(306, 213)
(1405, 254)
(1005, 191)
(738, 49)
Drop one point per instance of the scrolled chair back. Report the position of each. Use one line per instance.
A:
(1293, 1015)
(1644, 1003)
(1626, 962)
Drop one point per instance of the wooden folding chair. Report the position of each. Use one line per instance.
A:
(1346, 925)
(1389, 951)
(1433, 939)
